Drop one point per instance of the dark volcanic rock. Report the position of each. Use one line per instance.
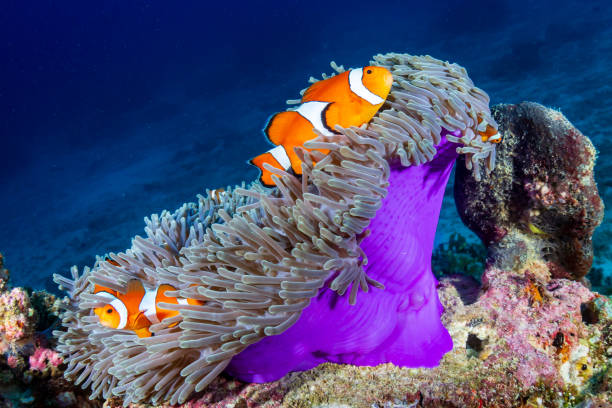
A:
(541, 200)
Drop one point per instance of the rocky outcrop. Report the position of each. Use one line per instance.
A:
(541, 199)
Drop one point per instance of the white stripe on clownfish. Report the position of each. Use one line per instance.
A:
(148, 306)
(118, 305)
(359, 89)
(280, 155)
(314, 112)
(495, 138)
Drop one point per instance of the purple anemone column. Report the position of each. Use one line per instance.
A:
(400, 324)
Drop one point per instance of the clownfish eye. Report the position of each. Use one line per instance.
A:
(109, 311)
(369, 71)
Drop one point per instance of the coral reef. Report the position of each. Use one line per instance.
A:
(542, 194)
(512, 348)
(533, 335)
(257, 259)
(526, 338)
(15, 318)
(31, 370)
(529, 339)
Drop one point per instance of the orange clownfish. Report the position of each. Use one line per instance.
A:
(351, 98)
(216, 194)
(489, 134)
(138, 308)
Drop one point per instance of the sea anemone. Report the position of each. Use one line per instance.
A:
(257, 258)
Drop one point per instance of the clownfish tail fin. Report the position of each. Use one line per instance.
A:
(276, 157)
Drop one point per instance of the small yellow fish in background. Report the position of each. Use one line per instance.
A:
(350, 98)
(533, 228)
(138, 308)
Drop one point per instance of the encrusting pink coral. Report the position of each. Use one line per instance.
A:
(12, 361)
(15, 316)
(529, 311)
(44, 357)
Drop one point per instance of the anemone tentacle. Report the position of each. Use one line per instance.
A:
(255, 257)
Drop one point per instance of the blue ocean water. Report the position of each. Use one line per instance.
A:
(111, 111)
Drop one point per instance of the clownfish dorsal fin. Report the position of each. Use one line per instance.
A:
(328, 89)
(313, 90)
(135, 286)
(98, 289)
(331, 89)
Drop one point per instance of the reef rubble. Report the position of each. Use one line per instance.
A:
(533, 334)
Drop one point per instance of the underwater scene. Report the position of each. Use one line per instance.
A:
(306, 204)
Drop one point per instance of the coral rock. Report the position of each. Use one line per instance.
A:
(16, 317)
(542, 195)
(43, 357)
(31, 371)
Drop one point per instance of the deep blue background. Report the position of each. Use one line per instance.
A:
(110, 111)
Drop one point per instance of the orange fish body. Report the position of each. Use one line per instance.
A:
(489, 133)
(138, 308)
(216, 194)
(351, 98)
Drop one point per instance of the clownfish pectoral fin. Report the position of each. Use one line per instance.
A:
(279, 126)
(140, 321)
(144, 332)
(276, 157)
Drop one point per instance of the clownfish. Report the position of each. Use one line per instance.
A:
(138, 308)
(351, 98)
(216, 194)
(489, 134)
